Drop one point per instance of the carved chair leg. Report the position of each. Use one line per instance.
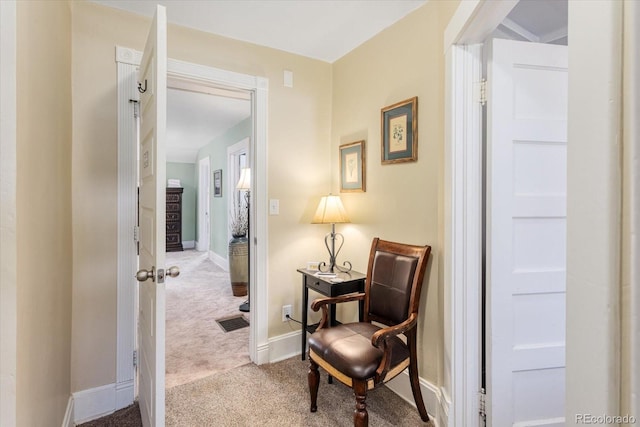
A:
(314, 382)
(360, 414)
(414, 378)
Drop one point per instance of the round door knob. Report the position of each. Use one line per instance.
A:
(173, 271)
(143, 275)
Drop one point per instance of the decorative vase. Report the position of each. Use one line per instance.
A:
(239, 265)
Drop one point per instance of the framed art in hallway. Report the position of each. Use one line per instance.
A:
(352, 167)
(399, 126)
(217, 183)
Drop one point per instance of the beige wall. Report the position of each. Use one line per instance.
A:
(403, 202)
(43, 212)
(298, 160)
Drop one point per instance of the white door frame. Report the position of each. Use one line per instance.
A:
(8, 243)
(204, 204)
(473, 21)
(127, 61)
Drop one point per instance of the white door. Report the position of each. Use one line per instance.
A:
(204, 203)
(526, 233)
(152, 78)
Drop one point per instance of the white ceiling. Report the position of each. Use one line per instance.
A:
(195, 119)
(321, 29)
(540, 21)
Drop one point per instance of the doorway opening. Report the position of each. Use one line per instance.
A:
(128, 61)
(202, 124)
(203, 205)
(465, 199)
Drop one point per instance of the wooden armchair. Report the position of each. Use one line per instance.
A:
(362, 355)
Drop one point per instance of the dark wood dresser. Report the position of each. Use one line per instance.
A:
(174, 219)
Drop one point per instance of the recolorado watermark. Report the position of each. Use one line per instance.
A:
(605, 419)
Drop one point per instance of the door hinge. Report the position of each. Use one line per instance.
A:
(482, 405)
(482, 92)
(136, 235)
(135, 358)
(136, 107)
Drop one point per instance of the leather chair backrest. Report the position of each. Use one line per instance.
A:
(391, 285)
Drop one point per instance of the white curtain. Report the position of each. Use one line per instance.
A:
(630, 301)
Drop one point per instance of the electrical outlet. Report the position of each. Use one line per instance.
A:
(286, 311)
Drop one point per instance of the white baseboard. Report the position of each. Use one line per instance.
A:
(94, 403)
(433, 399)
(284, 346)
(445, 405)
(189, 244)
(100, 401)
(262, 354)
(68, 414)
(221, 262)
(125, 394)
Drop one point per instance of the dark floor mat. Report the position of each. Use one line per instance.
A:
(232, 323)
(127, 417)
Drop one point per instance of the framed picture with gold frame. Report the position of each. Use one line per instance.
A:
(399, 125)
(352, 168)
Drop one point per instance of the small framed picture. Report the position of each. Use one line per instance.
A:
(217, 183)
(352, 167)
(399, 125)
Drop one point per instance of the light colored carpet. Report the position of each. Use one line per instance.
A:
(196, 346)
(269, 395)
(278, 395)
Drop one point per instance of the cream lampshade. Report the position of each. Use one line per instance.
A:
(244, 183)
(331, 211)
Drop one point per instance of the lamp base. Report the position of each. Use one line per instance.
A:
(245, 307)
(333, 253)
(333, 267)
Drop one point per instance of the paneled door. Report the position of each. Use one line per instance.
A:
(526, 233)
(152, 81)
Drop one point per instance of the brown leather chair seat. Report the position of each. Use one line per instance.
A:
(347, 348)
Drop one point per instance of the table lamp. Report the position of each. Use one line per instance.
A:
(244, 184)
(331, 211)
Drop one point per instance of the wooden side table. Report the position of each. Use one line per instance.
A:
(352, 281)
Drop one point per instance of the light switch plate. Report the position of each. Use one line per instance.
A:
(288, 78)
(274, 207)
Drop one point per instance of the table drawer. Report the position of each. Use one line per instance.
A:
(319, 285)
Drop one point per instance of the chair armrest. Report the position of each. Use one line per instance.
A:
(379, 339)
(380, 336)
(324, 302)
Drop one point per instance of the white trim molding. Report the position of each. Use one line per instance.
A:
(436, 405)
(68, 420)
(463, 231)
(97, 402)
(127, 61)
(472, 22)
(284, 346)
(218, 260)
(127, 286)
